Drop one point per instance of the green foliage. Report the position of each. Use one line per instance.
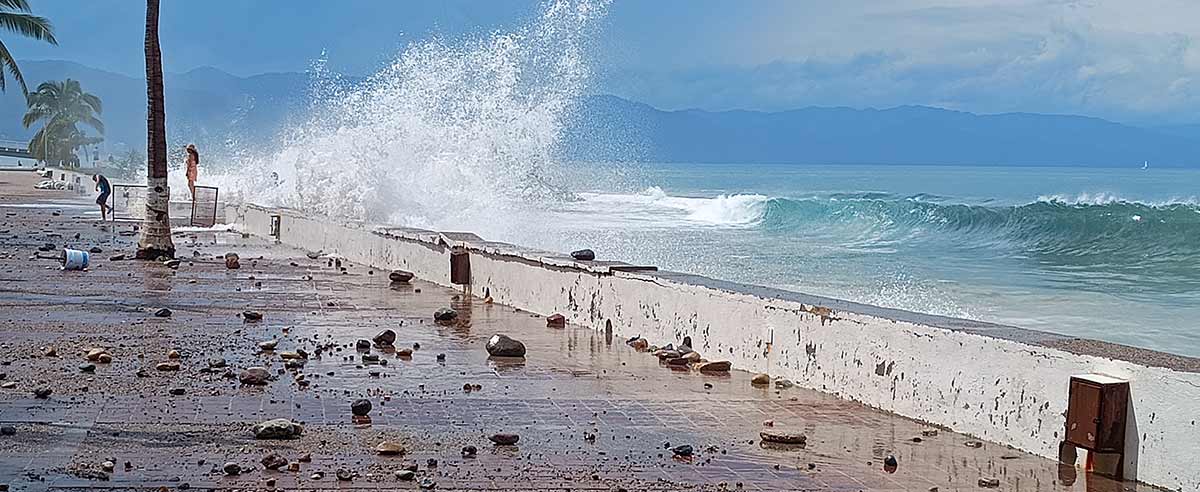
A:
(15, 17)
(62, 106)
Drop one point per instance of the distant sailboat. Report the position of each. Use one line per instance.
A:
(1145, 165)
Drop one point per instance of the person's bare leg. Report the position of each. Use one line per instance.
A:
(192, 188)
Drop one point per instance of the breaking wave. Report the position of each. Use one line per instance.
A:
(448, 135)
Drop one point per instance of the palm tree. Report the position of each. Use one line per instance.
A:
(15, 16)
(62, 105)
(155, 241)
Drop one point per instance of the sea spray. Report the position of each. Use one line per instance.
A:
(449, 135)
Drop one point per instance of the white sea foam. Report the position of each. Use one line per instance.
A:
(654, 206)
(449, 135)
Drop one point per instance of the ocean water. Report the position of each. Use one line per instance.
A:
(1111, 254)
(463, 135)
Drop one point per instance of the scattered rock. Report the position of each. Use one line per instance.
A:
(638, 343)
(469, 451)
(400, 276)
(556, 321)
(312, 255)
(251, 316)
(232, 468)
(232, 261)
(682, 451)
(216, 362)
(173, 354)
(503, 346)
(405, 475)
(278, 429)
(177, 391)
(257, 376)
(360, 407)
(445, 314)
(504, 439)
(404, 352)
(116, 258)
(973, 444)
(989, 483)
(584, 255)
(163, 313)
(172, 264)
(344, 475)
(8, 430)
(268, 345)
(87, 367)
(389, 448)
(891, 461)
(167, 366)
(782, 437)
(363, 345)
(42, 393)
(783, 383)
(427, 484)
(95, 250)
(105, 359)
(50, 352)
(273, 461)
(94, 354)
(715, 366)
(385, 338)
(8, 385)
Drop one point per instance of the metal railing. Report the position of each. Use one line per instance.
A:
(128, 202)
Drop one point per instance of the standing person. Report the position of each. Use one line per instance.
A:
(105, 190)
(193, 161)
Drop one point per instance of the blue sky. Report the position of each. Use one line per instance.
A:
(1129, 61)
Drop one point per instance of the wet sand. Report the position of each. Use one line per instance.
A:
(592, 413)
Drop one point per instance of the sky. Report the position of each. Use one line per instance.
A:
(1135, 62)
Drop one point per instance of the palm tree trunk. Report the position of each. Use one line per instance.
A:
(155, 240)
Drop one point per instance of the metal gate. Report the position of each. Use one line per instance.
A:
(128, 202)
(204, 207)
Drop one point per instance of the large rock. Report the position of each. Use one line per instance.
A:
(385, 338)
(273, 461)
(504, 439)
(360, 407)
(232, 261)
(252, 316)
(400, 276)
(780, 437)
(389, 448)
(257, 376)
(94, 354)
(556, 321)
(445, 314)
(584, 255)
(503, 346)
(714, 366)
(278, 429)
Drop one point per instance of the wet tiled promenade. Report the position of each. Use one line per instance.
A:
(591, 412)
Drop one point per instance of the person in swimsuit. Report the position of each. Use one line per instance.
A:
(193, 161)
(105, 190)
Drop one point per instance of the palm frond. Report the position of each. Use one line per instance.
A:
(28, 25)
(93, 122)
(18, 5)
(6, 59)
(93, 101)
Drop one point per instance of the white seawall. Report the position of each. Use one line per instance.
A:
(1000, 383)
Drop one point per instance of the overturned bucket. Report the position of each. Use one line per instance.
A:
(73, 259)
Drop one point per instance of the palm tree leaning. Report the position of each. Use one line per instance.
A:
(15, 16)
(63, 105)
(155, 241)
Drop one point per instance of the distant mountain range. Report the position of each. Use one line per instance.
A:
(216, 108)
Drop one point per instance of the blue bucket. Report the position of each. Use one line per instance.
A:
(73, 259)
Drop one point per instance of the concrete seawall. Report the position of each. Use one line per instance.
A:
(1000, 383)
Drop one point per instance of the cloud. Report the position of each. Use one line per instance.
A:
(961, 58)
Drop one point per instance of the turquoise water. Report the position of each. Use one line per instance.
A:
(1098, 253)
